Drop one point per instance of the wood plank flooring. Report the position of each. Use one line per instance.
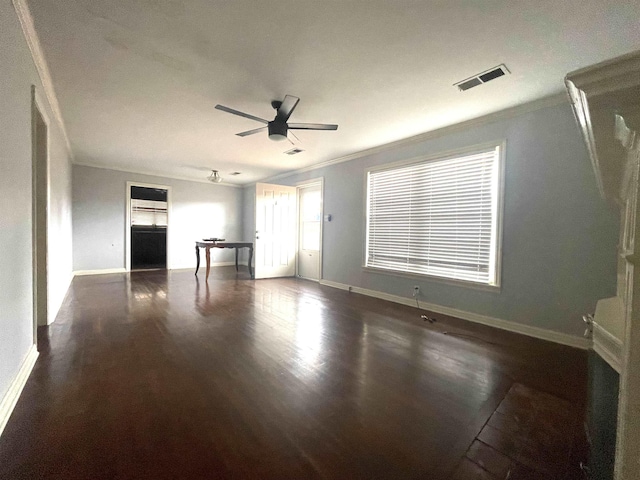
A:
(159, 375)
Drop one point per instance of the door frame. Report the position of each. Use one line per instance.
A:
(127, 224)
(40, 221)
(299, 186)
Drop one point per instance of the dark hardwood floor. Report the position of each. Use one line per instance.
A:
(158, 375)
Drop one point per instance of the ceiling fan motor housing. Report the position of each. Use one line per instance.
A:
(277, 130)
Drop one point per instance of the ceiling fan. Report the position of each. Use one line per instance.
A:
(278, 127)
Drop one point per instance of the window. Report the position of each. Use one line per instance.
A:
(437, 217)
(148, 212)
(148, 206)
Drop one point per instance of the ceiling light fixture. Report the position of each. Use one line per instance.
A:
(277, 131)
(215, 177)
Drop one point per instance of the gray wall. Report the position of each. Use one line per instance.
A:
(198, 210)
(17, 75)
(559, 244)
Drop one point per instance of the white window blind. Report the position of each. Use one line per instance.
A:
(148, 212)
(437, 217)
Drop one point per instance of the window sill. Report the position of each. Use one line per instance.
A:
(433, 278)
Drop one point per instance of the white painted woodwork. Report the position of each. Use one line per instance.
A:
(309, 231)
(10, 399)
(606, 100)
(608, 331)
(509, 326)
(275, 238)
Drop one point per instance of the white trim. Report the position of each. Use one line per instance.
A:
(608, 347)
(535, 332)
(457, 152)
(203, 264)
(226, 264)
(127, 226)
(522, 109)
(79, 273)
(105, 271)
(149, 173)
(10, 399)
(433, 278)
(29, 30)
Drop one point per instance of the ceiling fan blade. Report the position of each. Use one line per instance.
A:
(251, 132)
(287, 107)
(241, 114)
(293, 135)
(312, 126)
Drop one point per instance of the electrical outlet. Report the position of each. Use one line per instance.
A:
(416, 291)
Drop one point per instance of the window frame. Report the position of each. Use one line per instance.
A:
(442, 155)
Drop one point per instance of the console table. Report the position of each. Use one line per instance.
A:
(209, 245)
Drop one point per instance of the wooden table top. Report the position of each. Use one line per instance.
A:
(224, 244)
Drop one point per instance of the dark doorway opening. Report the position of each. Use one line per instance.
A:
(148, 228)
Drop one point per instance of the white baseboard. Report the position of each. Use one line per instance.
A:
(203, 264)
(103, 271)
(15, 389)
(536, 332)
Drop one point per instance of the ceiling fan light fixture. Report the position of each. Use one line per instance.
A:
(215, 176)
(277, 131)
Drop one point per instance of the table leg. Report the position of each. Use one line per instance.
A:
(237, 258)
(208, 262)
(197, 259)
(250, 259)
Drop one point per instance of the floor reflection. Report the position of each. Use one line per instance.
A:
(163, 375)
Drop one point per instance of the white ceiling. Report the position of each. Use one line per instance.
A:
(137, 80)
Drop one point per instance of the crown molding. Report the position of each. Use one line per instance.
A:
(604, 101)
(149, 173)
(522, 109)
(37, 54)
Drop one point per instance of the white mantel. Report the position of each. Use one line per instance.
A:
(606, 101)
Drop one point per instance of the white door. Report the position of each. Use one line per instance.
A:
(275, 231)
(309, 231)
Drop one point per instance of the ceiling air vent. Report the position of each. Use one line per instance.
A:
(481, 78)
(294, 151)
(235, 173)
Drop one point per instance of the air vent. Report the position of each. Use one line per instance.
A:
(474, 82)
(481, 78)
(233, 174)
(294, 151)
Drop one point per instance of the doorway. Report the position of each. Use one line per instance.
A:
(147, 226)
(40, 209)
(310, 231)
